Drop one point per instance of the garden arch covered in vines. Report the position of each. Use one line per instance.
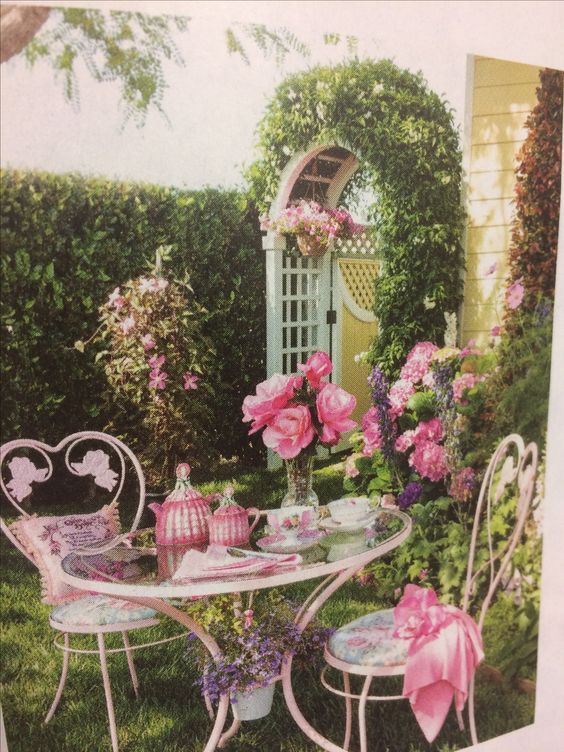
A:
(405, 139)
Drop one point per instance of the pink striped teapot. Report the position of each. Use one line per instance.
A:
(229, 524)
(182, 518)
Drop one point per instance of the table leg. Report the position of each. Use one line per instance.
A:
(312, 605)
(212, 647)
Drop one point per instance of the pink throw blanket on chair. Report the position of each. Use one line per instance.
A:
(445, 648)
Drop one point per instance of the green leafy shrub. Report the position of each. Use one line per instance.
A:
(68, 241)
(405, 138)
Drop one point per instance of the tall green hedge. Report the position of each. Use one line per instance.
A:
(68, 241)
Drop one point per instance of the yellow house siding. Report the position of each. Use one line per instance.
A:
(502, 95)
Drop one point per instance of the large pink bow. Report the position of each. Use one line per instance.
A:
(445, 648)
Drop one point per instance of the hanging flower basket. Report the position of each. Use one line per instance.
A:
(310, 246)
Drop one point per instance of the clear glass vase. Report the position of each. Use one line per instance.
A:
(300, 492)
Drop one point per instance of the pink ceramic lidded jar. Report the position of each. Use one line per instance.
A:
(182, 517)
(229, 524)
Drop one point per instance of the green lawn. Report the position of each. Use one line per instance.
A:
(170, 714)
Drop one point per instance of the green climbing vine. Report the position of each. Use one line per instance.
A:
(408, 146)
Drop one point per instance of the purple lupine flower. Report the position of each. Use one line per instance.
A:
(381, 401)
(409, 495)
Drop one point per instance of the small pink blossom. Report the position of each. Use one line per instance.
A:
(371, 432)
(462, 383)
(316, 366)
(154, 284)
(351, 470)
(127, 324)
(495, 331)
(514, 295)
(491, 269)
(399, 395)
(428, 380)
(388, 501)
(423, 574)
(156, 361)
(190, 380)
(404, 442)
(470, 349)
(116, 300)
(429, 460)
(289, 431)
(334, 406)
(148, 342)
(272, 395)
(417, 362)
(157, 379)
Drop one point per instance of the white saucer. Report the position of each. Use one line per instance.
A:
(334, 526)
(278, 544)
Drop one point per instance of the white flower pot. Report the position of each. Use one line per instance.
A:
(250, 706)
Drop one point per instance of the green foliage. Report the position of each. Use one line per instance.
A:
(115, 46)
(532, 256)
(68, 241)
(405, 138)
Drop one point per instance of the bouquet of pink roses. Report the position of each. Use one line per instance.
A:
(298, 412)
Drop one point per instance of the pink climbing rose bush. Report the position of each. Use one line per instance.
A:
(299, 411)
(156, 360)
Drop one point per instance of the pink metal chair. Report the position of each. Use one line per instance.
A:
(512, 468)
(94, 463)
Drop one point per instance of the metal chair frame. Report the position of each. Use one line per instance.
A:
(502, 472)
(125, 457)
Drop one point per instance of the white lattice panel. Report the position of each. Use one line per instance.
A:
(304, 303)
(359, 245)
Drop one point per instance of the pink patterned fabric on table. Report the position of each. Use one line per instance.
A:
(445, 648)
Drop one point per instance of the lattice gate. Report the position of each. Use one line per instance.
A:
(322, 304)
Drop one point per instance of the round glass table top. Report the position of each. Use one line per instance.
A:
(143, 569)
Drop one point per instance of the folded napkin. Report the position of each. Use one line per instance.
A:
(225, 560)
(445, 648)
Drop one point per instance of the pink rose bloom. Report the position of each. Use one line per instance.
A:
(157, 379)
(399, 395)
(190, 380)
(429, 460)
(272, 395)
(127, 324)
(429, 430)
(148, 342)
(371, 432)
(351, 470)
(316, 366)
(462, 383)
(289, 431)
(334, 406)
(404, 442)
(116, 300)
(155, 362)
(514, 295)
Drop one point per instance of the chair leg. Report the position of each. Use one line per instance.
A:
(362, 714)
(471, 718)
(108, 692)
(62, 680)
(348, 710)
(131, 664)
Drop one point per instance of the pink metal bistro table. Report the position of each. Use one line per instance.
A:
(144, 580)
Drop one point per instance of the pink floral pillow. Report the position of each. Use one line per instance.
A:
(49, 539)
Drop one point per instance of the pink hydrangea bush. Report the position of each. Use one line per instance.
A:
(298, 412)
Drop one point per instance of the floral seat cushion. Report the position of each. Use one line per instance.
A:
(369, 641)
(97, 610)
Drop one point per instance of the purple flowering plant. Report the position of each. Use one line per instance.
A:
(254, 645)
